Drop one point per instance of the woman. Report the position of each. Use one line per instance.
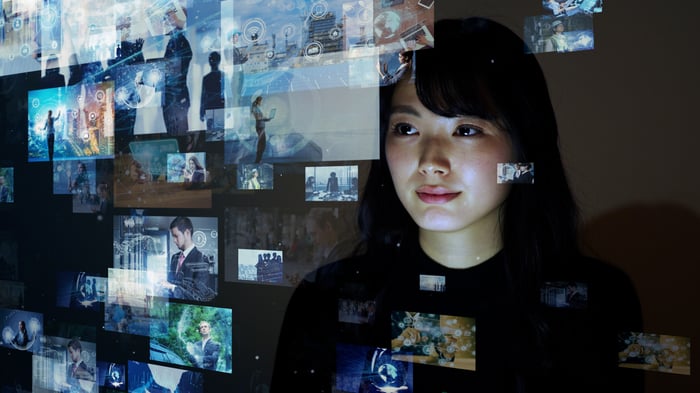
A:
(252, 183)
(260, 119)
(454, 263)
(195, 171)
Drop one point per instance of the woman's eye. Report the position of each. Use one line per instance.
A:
(467, 130)
(404, 129)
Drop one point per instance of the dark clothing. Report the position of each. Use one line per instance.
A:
(176, 98)
(76, 372)
(332, 185)
(53, 78)
(192, 280)
(208, 356)
(525, 178)
(212, 92)
(315, 349)
(21, 339)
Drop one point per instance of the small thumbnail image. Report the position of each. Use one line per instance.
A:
(255, 177)
(564, 294)
(654, 352)
(331, 183)
(80, 291)
(146, 377)
(572, 7)
(559, 34)
(260, 265)
(439, 340)
(197, 336)
(22, 330)
(7, 184)
(356, 311)
(111, 375)
(515, 172)
(65, 364)
(189, 168)
(429, 282)
(361, 368)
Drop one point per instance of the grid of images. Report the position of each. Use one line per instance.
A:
(207, 157)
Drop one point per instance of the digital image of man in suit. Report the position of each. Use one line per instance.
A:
(206, 351)
(77, 369)
(188, 272)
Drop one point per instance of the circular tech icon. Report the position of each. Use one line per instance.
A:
(254, 30)
(313, 50)
(319, 9)
(199, 239)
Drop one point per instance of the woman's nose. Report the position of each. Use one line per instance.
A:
(434, 158)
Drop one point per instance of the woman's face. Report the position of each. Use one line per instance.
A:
(444, 169)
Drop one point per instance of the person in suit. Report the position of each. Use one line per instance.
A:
(206, 351)
(188, 273)
(332, 184)
(21, 339)
(178, 54)
(77, 369)
(212, 90)
(524, 174)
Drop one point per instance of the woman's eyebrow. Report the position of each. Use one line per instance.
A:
(406, 109)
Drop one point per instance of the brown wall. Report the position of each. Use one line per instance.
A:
(627, 112)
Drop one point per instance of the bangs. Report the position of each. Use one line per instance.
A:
(468, 88)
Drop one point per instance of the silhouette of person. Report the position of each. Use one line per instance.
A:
(52, 77)
(50, 128)
(128, 53)
(260, 120)
(332, 184)
(238, 58)
(178, 53)
(212, 90)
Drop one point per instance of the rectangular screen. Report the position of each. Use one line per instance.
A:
(21, 330)
(451, 339)
(303, 239)
(141, 178)
(146, 377)
(155, 244)
(197, 336)
(331, 183)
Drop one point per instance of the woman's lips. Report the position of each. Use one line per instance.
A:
(436, 195)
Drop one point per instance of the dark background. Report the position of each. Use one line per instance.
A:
(629, 136)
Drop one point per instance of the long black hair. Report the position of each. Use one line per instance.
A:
(481, 68)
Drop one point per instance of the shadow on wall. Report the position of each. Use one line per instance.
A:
(658, 246)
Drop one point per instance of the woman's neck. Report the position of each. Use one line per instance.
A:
(462, 249)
